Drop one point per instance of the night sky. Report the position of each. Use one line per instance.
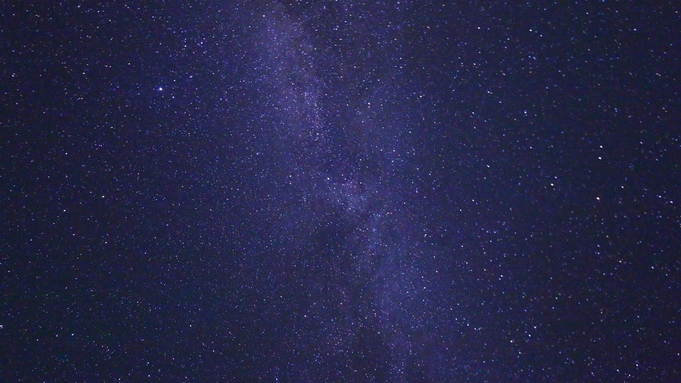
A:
(340, 191)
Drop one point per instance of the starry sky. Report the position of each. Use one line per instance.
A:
(340, 191)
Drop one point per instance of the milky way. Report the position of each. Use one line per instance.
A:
(339, 146)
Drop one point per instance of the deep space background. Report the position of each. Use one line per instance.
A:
(340, 191)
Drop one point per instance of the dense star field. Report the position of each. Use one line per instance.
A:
(340, 191)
